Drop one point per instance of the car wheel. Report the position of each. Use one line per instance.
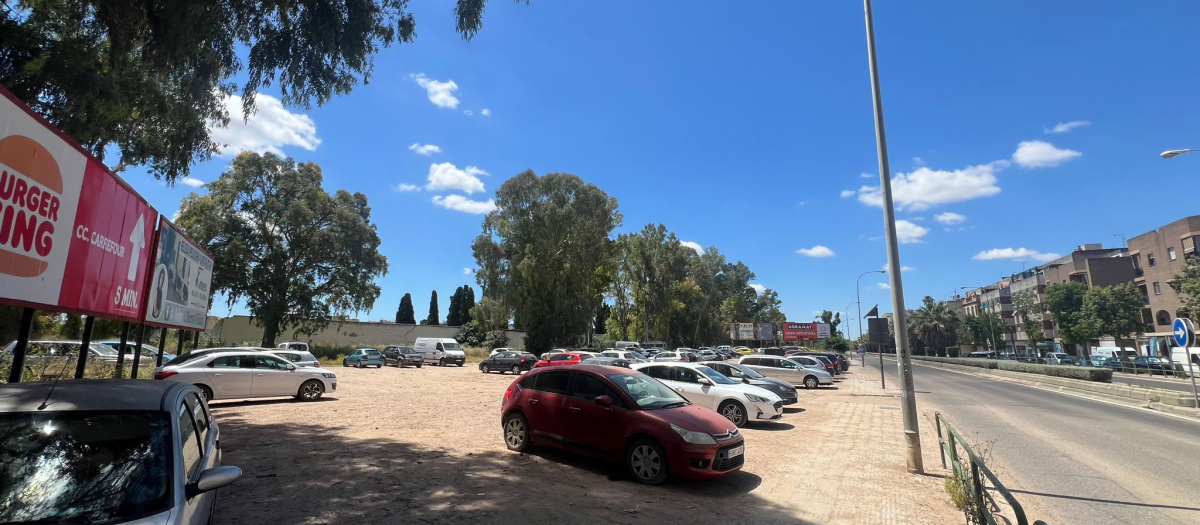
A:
(441, 362)
(483, 368)
(205, 392)
(516, 370)
(358, 364)
(460, 365)
(516, 432)
(811, 382)
(734, 412)
(646, 462)
(419, 364)
(311, 390)
(345, 363)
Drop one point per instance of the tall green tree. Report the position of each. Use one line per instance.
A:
(1114, 311)
(405, 313)
(546, 253)
(1064, 301)
(600, 324)
(432, 318)
(1029, 313)
(146, 79)
(466, 304)
(295, 253)
(452, 313)
(1186, 283)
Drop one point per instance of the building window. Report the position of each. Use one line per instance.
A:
(1162, 318)
(1137, 261)
(1157, 289)
(1195, 244)
(1150, 259)
(1171, 253)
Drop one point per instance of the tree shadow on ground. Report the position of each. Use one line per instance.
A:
(311, 474)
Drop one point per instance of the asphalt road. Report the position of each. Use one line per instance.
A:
(1080, 461)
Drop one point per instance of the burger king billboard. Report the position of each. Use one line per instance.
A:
(73, 236)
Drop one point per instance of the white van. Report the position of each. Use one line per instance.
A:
(1101, 353)
(293, 345)
(1179, 357)
(441, 350)
(623, 345)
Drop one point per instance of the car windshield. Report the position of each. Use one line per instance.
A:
(84, 467)
(747, 371)
(450, 346)
(647, 392)
(715, 376)
(103, 349)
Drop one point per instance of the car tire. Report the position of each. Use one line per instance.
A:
(516, 370)
(735, 412)
(460, 365)
(811, 382)
(646, 462)
(358, 364)
(441, 362)
(419, 365)
(345, 363)
(516, 432)
(205, 392)
(483, 368)
(311, 390)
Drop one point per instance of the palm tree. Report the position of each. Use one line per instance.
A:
(934, 325)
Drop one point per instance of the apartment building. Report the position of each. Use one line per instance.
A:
(997, 299)
(1032, 282)
(1157, 256)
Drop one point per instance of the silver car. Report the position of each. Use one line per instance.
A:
(298, 358)
(632, 357)
(108, 451)
(801, 370)
(785, 390)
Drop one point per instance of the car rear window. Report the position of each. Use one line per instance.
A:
(372, 353)
(553, 382)
(84, 467)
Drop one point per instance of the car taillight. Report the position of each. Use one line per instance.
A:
(508, 393)
(522, 359)
(164, 374)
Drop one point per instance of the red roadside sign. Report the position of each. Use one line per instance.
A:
(800, 331)
(74, 237)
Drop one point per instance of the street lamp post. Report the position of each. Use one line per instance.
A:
(1172, 153)
(858, 299)
(908, 401)
(846, 321)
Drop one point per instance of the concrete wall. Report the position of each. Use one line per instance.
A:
(240, 329)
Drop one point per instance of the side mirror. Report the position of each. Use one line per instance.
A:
(704, 381)
(291, 368)
(213, 479)
(603, 401)
(746, 380)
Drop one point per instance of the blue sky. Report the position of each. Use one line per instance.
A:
(751, 130)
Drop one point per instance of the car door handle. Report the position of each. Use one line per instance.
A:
(217, 375)
(679, 389)
(533, 401)
(573, 409)
(259, 375)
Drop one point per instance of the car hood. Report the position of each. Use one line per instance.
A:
(751, 389)
(695, 418)
(158, 519)
(772, 381)
(454, 352)
(314, 370)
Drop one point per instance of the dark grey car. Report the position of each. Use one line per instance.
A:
(108, 451)
(750, 376)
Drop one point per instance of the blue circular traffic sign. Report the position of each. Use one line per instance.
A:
(1184, 332)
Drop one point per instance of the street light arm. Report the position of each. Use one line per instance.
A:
(1172, 153)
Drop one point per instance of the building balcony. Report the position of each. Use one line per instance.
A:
(1138, 272)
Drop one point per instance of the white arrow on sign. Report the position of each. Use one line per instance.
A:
(138, 240)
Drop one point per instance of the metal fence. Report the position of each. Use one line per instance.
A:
(976, 477)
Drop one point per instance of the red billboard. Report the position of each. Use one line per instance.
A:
(799, 331)
(73, 236)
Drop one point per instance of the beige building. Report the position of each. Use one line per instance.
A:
(1157, 256)
(239, 330)
(1032, 282)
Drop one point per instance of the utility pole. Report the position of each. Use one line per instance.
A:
(908, 402)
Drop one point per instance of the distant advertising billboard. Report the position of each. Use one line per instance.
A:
(800, 331)
(741, 331)
(73, 236)
(764, 331)
(822, 330)
(182, 281)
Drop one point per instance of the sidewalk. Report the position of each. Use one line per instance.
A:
(858, 432)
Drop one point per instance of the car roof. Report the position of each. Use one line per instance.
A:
(87, 394)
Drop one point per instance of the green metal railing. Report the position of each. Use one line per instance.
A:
(976, 476)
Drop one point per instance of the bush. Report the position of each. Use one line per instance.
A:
(1099, 375)
(961, 361)
(331, 353)
(475, 355)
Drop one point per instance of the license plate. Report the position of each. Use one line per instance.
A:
(737, 451)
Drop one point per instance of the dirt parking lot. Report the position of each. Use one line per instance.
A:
(424, 446)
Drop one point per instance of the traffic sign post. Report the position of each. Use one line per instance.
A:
(1185, 335)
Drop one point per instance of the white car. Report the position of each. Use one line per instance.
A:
(670, 357)
(739, 403)
(797, 370)
(632, 357)
(498, 350)
(238, 374)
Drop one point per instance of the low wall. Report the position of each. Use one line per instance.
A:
(240, 329)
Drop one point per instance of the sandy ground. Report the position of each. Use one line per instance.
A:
(424, 446)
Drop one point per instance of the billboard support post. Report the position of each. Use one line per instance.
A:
(119, 373)
(179, 343)
(18, 361)
(84, 343)
(162, 345)
(137, 351)
(196, 340)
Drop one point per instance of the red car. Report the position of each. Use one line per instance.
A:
(564, 358)
(620, 415)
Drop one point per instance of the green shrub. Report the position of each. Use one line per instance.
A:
(475, 355)
(1099, 375)
(961, 361)
(333, 353)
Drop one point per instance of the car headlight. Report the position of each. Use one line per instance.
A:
(757, 399)
(328, 375)
(695, 438)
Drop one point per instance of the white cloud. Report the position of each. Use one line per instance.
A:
(1063, 127)
(903, 268)
(405, 187)
(440, 93)
(884, 286)
(918, 161)
(817, 251)
(486, 112)
(866, 175)
(695, 246)
(847, 193)
(1015, 254)
(924, 187)
(1039, 154)
(468, 112)
(195, 183)
(445, 176)
(950, 218)
(463, 204)
(424, 149)
(468, 271)
(269, 129)
(909, 233)
(758, 288)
